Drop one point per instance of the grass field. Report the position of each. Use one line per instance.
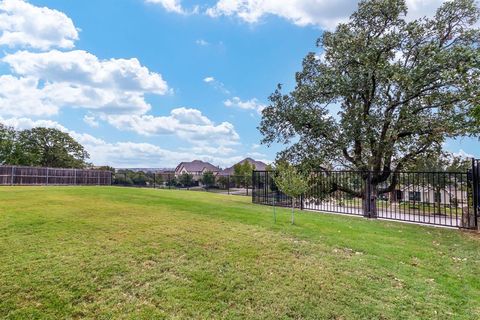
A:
(113, 253)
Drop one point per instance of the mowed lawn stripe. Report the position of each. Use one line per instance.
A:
(105, 252)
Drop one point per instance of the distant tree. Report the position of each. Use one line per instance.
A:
(208, 179)
(48, 147)
(171, 181)
(140, 178)
(186, 180)
(243, 173)
(123, 177)
(291, 182)
(402, 88)
(8, 150)
(105, 168)
(223, 182)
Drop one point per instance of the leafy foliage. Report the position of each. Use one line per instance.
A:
(291, 182)
(44, 147)
(401, 87)
(186, 180)
(208, 179)
(243, 173)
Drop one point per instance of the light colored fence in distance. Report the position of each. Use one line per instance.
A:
(19, 175)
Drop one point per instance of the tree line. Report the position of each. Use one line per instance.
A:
(41, 147)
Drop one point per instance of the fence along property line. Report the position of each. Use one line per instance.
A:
(22, 175)
(438, 198)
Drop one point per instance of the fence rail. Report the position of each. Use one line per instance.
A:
(439, 198)
(21, 175)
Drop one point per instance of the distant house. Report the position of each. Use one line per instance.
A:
(196, 168)
(259, 165)
(428, 194)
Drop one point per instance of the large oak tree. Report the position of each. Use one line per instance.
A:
(402, 88)
(43, 147)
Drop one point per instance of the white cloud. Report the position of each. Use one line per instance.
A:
(25, 25)
(461, 153)
(217, 85)
(209, 79)
(202, 42)
(188, 124)
(323, 13)
(252, 104)
(21, 96)
(55, 79)
(91, 121)
(169, 5)
(83, 68)
(130, 154)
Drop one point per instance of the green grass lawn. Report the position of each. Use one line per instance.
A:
(113, 253)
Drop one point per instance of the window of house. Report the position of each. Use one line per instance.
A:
(438, 197)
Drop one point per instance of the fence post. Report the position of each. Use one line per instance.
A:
(47, 177)
(368, 195)
(475, 182)
(11, 180)
(154, 181)
(228, 185)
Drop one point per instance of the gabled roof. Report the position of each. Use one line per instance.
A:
(197, 166)
(259, 165)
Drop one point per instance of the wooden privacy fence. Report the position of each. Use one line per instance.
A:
(18, 175)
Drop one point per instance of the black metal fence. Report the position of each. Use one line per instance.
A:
(438, 198)
(21, 175)
(231, 184)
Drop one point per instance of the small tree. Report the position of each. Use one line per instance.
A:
(291, 182)
(208, 179)
(243, 173)
(186, 180)
(223, 182)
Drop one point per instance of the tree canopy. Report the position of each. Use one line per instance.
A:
(401, 89)
(43, 147)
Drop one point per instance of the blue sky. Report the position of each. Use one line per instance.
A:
(165, 81)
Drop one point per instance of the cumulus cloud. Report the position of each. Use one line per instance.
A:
(169, 5)
(55, 79)
(187, 124)
(22, 96)
(113, 90)
(83, 68)
(252, 104)
(25, 25)
(91, 121)
(131, 154)
(323, 13)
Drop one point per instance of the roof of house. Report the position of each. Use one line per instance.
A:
(259, 165)
(197, 166)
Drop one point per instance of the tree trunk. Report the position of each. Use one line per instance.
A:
(369, 199)
(393, 196)
(293, 212)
